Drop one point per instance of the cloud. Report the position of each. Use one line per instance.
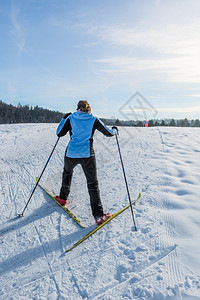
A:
(195, 95)
(169, 109)
(17, 32)
(190, 109)
(172, 50)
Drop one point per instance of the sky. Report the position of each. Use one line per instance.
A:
(131, 59)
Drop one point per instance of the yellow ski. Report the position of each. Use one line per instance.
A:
(63, 207)
(100, 226)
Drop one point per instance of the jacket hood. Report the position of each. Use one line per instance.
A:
(81, 115)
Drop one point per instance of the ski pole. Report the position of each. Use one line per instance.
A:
(126, 182)
(21, 215)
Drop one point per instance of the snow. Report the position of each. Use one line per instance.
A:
(159, 261)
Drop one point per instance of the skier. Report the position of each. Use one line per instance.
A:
(81, 126)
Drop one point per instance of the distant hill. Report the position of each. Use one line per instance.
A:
(27, 114)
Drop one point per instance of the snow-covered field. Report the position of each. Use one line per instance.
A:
(159, 261)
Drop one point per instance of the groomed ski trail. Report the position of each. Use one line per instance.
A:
(31, 262)
(111, 290)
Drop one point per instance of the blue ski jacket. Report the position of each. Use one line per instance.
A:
(81, 127)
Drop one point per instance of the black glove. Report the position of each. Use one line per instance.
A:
(115, 127)
(67, 115)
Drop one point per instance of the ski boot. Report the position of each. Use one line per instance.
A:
(101, 220)
(61, 201)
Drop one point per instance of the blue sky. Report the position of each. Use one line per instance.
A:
(54, 53)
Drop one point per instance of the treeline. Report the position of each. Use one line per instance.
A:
(27, 114)
(166, 122)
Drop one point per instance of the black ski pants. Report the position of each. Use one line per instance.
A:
(89, 168)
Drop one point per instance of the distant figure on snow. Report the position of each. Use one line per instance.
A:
(81, 126)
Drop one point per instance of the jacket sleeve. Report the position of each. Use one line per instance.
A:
(63, 127)
(99, 125)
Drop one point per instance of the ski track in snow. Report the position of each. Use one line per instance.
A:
(159, 261)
